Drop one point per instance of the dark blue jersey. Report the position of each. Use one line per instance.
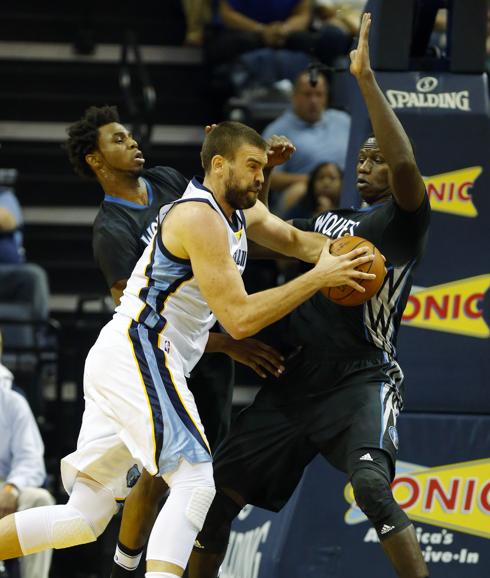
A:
(361, 331)
(123, 229)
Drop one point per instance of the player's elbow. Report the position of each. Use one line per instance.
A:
(239, 326)
(238, 331)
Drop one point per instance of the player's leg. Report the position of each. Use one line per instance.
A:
(260, 462)
(182, 516)
(167, 436)
(81, 520)
(373, 446)
(371, 484)
(36, 564)
(211, 383)
(366, 403)
(210, 547)
(91, 504)
(139, 514)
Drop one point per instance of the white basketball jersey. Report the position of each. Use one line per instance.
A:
(163, 294)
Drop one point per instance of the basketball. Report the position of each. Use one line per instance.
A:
(346, 295)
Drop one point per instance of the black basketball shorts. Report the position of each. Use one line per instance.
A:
(333, 407)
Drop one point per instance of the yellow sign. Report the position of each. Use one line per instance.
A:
(454, 307)
(451, 192)
(455, 496)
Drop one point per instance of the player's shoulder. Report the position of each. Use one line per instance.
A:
(111, 219)
(422, 211)
(166, 175)
(192, 210)
(196, 224)
(255, 214)
(111, 231)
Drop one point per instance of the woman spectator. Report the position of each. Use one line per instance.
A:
(322, 193)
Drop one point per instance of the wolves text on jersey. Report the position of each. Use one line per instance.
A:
(335, 226)
(147, 236)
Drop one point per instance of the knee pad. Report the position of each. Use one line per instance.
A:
(94, 502)
(199, 504)
(51, 527)
(80, 521)
(374, 496)
(194, 484)
(215, 533)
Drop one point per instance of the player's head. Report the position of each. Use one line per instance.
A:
(309, 102)
(373, 173)
(235, 155)
(98, 145)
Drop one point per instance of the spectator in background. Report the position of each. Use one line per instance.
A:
(342, 14)
(252, 24)
(322, 193)
(20, 283)
(11, 250)
(22, 471)
(197, 15)
(319, 133)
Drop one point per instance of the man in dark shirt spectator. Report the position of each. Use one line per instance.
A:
(253, 24)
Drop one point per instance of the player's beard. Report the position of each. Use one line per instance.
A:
(239, 197)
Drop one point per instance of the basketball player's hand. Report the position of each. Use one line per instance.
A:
(209, 127)
(341, 270)
(258, 356)
(8, 504)
(279, 151)
(359, 58)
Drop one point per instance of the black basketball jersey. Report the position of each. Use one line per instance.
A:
(122, 229)
(360, 331)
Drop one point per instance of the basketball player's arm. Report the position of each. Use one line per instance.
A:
(198, 234)
(256, 354)
(250, 352)
(280, 150)
(408, 186)
(271, 232)
(117, 290)
(281, 180)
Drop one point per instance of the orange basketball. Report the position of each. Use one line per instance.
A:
(346, 295)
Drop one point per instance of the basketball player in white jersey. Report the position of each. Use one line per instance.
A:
(138, 408)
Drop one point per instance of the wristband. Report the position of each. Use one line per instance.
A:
(11, 489)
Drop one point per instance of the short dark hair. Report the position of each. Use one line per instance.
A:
(226, 138)
(83, 136)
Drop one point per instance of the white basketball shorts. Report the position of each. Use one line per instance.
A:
(138, 410)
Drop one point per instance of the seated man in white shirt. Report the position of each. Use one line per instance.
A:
(22, 470)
